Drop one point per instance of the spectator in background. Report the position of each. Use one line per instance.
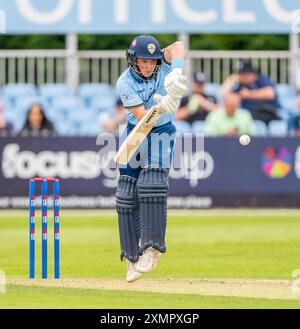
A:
(230, 120)
(197, 105)
(111, 123)
(6, 128)
(37, 124)
(294, 122)
(257, 92)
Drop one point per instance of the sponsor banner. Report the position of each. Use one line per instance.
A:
(269, 169)
(150, 16)
(104, 202)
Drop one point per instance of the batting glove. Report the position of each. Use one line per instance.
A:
(175, 83)
(167, 104)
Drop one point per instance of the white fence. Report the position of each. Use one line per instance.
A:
(51, 66)
(217, 65)
(32, 66)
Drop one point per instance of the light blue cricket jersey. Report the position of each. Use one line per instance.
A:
(135, 91)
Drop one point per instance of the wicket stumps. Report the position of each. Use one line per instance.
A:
(44, 189)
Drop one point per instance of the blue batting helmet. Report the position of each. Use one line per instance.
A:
(144, 47)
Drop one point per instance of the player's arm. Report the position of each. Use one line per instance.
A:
(174, 52)
(175, 81)
(138, 111)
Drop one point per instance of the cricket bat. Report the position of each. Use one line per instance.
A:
(137, 136)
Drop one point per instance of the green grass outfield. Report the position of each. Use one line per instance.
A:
(214, 259)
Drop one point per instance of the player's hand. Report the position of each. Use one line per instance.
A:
(167, 104)
(175, 83)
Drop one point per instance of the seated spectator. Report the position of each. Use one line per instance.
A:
(111, 123)
(37, 124)
(197, 105)
(257, 92)
(6, 128)
(294, 122)
(230, 120)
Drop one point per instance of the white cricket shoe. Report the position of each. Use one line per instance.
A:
(148, 261)
(132, 273)
(156, 255)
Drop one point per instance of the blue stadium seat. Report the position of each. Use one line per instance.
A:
(11, 114)
(23, 103)
(53, 90)
(63, 102)
(213, 89)
(14, 90)
(55, 114)
(289, 103)
(89, 90)
(65, 128)
(67, 104)
(16, 118)
(89, 128)
(6, 100)
(284, 113)
(278, 128)
(83, 115)
(182, 127)
(103, 103)
(285, 90)
(198, 127)
(19, 123)
(260, 128)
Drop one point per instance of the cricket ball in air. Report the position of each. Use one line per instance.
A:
(245, 140)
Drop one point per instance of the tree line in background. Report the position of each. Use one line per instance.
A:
(120, 42)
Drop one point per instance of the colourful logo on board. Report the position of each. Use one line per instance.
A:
(277, 162)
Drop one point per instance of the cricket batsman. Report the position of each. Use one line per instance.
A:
(154, 78)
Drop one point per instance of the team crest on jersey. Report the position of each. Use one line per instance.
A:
(151, 48)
